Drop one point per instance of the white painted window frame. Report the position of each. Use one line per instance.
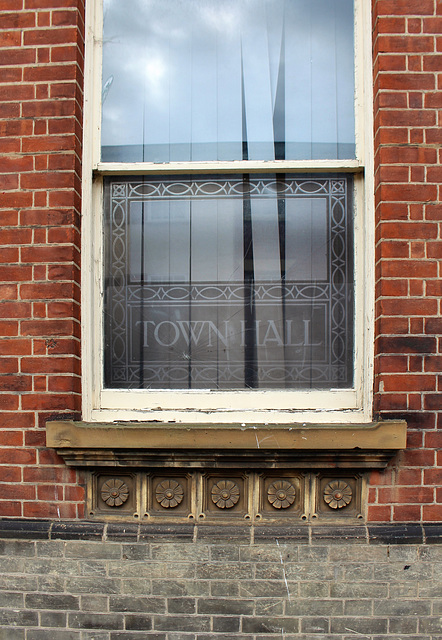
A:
(244, 407)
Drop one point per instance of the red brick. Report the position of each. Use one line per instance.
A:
(432, 512)
(9, 508)
(433, 401)
(15, 383)
(52, 364)
(64, 272)
(405, 7)
(432, 63)
(434, 288)
(74, 494)
(50, 492)
(393, 136)
(401, 43)
(50, 254)
(61, 310)
(48, 510)
(49, 36)
(433, 476)
(393, 174)
(409, 477)
(49, 474)
(66, 346)
(433, 136)
(388, 24)
(392, 402)
(19, 20)
(433, 440)
(408, 193)
(48, 291)
(413, 269)
(406, 513)
(405, 495)
(408, 382)
(44, 143)
(15, 346)
(392, 63)
(394, 249)
(8, 291)
(407, 81)
(392, 99)
(10, 474)
(432, 25)
(379, 513)
(35, 438)
(65, 383)
(433, 325)
(388, 364)
(408, 307)
(55, 402)
(8, 328)
(52, 73)
(417, 458)
(14, 309)
(17, 456)
(64, 18)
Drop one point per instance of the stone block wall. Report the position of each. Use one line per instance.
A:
(59, 582)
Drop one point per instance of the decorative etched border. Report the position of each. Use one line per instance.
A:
(122, 372)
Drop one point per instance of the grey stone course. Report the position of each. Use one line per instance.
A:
(139, 622)
(12, 634)
(52, 634)
(136, 635)
(219, 589)
(222, 606)
(226, 623)
(138, 551)
(403, 625)
(11, 600)
(94, 603)
(181, 605)
(56, 619)
(228, 588)
(17, 548)
(137, 604)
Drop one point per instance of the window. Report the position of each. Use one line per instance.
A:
(227, 213)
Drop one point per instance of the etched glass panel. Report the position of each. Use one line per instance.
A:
(189, 80)
(221, 282)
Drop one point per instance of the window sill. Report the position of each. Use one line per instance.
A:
(141, 444)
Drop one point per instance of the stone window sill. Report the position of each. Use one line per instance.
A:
(138, 444)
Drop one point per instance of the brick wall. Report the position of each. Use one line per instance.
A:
(407, 40)
(41, 59)
(41, 80)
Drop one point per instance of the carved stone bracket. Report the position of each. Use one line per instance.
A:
(227, 495)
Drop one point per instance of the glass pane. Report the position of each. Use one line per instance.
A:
(227, 80)
(221, 282)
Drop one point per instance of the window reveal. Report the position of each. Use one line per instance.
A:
(229, 282)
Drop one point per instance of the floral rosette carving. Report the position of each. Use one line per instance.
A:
(114, 492)
(225, 494)
(337, 494)
(169, 493)
(281, 494)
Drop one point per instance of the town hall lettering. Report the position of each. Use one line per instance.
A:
(168, 333)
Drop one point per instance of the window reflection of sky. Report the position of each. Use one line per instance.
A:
(194, 79)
